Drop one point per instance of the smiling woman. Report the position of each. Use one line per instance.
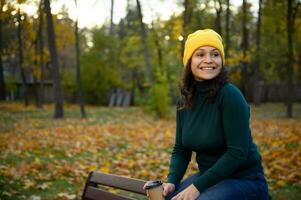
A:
(212, 121)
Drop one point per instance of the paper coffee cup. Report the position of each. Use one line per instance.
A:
(155, 190)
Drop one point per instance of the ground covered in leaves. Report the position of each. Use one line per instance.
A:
(42, 158)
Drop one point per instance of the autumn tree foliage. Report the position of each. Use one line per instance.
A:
(135, 56)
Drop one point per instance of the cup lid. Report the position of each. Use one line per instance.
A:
(153, 184)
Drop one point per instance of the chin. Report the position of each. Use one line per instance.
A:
(205, 78)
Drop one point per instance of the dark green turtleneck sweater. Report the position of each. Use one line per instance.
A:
(220, 135)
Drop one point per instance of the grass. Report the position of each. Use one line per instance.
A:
(15, 120)
(274, 111)
(291, 192)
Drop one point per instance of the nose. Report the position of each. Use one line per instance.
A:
(208, 58)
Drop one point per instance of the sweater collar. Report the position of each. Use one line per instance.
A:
(202, 87)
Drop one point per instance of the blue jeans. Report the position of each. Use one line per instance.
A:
(252, 188)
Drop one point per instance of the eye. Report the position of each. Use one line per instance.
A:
(200, 54)
(215, 54)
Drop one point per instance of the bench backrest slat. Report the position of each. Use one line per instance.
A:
(98, 194)
(124, 183)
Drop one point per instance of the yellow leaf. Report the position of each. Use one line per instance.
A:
(281, 183)
(29, 184)
(105, 169)
(67, 196)
(43, 186)
(37, 161)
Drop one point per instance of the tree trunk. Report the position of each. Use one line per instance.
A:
(158, 48)
(2, 83)
(112, 16)
(245, 46)
(256, 89)
(144, 43)
(227, 38)
(218, 10)
(58, 112)
(78, 79)
(186, 21)
(22, 70)
(290, 86)
(299, 63)
(35, 79)
(41, 54)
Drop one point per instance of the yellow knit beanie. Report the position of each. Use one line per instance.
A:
(205, 37)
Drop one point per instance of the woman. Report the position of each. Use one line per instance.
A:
(213, 121)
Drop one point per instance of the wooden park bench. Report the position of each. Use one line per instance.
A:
(92, 191)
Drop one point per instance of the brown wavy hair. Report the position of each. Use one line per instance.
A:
(187, 86)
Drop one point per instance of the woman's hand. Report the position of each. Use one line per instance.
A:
(167, 188)
(190, 193)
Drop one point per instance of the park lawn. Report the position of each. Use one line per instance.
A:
(49, 159)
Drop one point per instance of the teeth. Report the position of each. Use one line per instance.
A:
(208, 68)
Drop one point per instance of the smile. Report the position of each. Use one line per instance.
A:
(207, 68)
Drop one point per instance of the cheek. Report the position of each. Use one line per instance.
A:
(194, 65)
(218, 62)
(195, 61)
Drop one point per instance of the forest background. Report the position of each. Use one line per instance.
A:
(48, 65)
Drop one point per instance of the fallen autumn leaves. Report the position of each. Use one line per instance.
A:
(37, 153)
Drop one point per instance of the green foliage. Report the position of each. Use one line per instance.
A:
(133, 67)
(117, 60)
(141, 97)
(131, 53)
(157, 99)
(99, 68)
(10, 83)
(273, 48)
(160, 100)
(167, 33)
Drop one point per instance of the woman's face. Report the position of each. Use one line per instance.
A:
(206, 63)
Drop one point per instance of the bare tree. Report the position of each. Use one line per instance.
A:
(2, 83)
(41, 54)
(158, 48)
(227, 37)
(218, 11)
(256, 93)
(112, 16)
(187, 15)
(58, 112)
(36, 79)
(78, 79)
(143, 39)
(21, 60)
(291, 14)
(38, 82)
(245, 47)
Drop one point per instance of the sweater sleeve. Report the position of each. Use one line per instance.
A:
(235, 119)
(180, 156)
